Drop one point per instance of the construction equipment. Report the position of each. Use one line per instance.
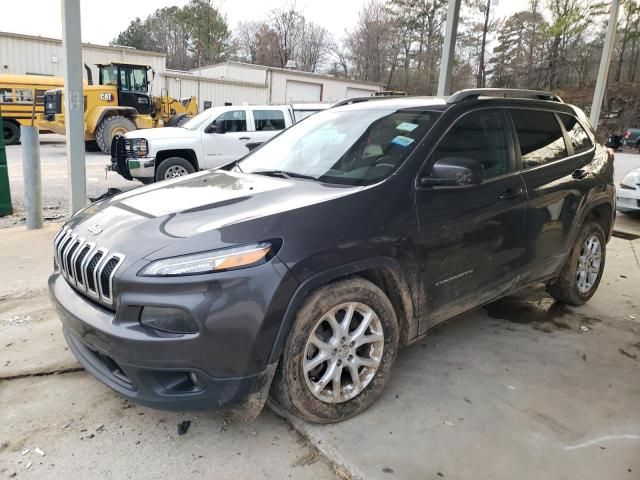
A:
(120, 103)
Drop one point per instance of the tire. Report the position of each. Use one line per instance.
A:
(173, 167)
(109, 128)
(11, 132)
(292, 387)
(178, 120)
(567, 287)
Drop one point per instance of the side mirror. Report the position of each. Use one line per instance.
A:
(219, 127)
(215, 127)
(454, 172)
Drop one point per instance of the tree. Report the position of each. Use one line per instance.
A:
(209, 35)
(191, 36)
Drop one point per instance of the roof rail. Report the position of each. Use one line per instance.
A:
(475, 93)
(352, 100)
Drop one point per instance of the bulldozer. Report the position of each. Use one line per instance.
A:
(119, 103)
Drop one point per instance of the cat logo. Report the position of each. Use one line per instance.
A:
(106, 97)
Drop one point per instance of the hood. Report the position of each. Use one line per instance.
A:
(165, 132)
(197, 212)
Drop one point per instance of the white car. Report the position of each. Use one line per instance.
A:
(211, 139)
(628, 193)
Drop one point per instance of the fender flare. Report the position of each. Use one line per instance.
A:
(332, 274)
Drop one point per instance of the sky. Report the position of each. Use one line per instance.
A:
(103, 20)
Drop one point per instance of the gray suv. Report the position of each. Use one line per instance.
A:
(298, 271)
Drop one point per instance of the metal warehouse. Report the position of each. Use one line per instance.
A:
(225, 83)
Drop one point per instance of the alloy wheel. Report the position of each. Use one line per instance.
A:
(343, 352)
(589, 264)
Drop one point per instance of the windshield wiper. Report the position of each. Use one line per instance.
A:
(285, 174)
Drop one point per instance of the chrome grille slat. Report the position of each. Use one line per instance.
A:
(83, 264)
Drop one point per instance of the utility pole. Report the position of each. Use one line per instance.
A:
(74, 104)
(605, 62)
(449, 48)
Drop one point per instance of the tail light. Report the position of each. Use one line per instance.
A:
(627, 134)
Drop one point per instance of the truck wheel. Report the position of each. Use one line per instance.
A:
(109, 128)
(339, 353)
(178, 120)
(173, 167)
(11, 133)
(580, 276)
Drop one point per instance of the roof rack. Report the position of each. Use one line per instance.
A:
(352, 100)
(475, 93)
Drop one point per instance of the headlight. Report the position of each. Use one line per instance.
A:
(630, 181)
(138, 147)
(207, 262)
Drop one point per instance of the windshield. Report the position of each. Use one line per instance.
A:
(354, 147)
(198, 121)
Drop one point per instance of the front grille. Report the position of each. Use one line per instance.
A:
(86, 267)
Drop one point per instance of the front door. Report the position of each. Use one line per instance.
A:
(471, 237)
(222, 148)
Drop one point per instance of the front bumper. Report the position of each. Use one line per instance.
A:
(155, 369)
(628, 200)
(142, 167)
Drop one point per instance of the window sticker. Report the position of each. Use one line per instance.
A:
(402, 141)
(407, 127)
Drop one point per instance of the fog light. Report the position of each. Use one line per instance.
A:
(170, 320)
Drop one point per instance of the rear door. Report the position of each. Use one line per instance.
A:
(554, 155)
(471, 237)
(267, 122)
(222, 148)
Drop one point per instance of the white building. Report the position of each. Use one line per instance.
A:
(225, 83)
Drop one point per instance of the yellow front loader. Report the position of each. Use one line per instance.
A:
(119, 103)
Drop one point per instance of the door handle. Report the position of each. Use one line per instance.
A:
(580, 174)
(244, 138)
(511, 193)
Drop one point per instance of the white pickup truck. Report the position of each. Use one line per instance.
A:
(211, 139)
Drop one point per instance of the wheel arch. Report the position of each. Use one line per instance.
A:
(186, 153)
(383, 272)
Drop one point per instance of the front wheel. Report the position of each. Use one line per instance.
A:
(173, 167)
(580, 277)
(109, 128)
(339, 354)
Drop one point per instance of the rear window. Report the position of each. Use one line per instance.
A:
(577, 135)
(540, 137)
(268, 120)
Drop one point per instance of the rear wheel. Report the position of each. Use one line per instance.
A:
(173, 167)
(11, 133)
(339, 353)
(109, 128)
(580, 277)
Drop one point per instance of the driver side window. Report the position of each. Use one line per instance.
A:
(479, 136)
(234, 121)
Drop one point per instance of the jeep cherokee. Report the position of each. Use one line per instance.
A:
(298, 271)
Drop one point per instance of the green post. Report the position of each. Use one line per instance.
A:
(5, 191)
